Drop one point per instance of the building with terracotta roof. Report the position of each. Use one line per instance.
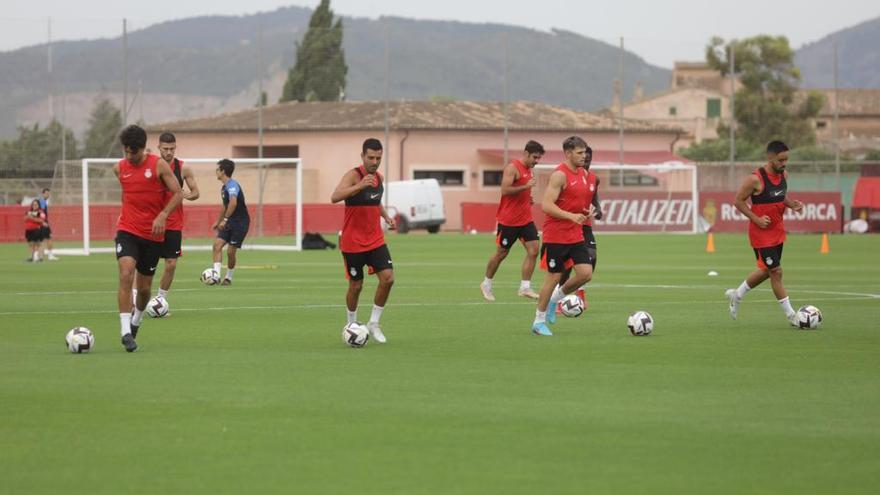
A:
(461, 143)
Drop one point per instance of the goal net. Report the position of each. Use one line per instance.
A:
(643, 198)
(86, 202)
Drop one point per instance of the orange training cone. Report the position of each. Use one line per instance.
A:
(710, 243)
(824, 249)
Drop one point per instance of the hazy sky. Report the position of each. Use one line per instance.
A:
(659, 31)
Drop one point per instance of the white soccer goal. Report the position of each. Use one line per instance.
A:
(661, 197)
(272, 187)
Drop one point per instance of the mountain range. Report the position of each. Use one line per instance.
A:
(206, 65)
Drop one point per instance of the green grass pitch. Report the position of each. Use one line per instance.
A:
(249, 388)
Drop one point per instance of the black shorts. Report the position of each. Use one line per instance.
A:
(507, 236)
(46, 232)
(378, 259)
(235, 232)
(769, 257)
(144, 251)
(34, 235)
(171, 246)
(557, 258)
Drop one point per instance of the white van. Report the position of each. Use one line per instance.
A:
(418, 204)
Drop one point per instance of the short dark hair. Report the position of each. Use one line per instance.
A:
(776, 147)
(589, 151)
(45, 189)
(573, 142)
(371, 144)
(534, 147)
(133, 137)
(227, 166)
(167, 137)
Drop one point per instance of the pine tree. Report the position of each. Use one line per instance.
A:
(320, 70)
(105, 122)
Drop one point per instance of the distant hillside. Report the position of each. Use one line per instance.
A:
(858, 58)
(204, 65)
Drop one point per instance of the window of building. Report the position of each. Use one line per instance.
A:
(492, 177)
(821, 124)
(444, 177)
(673, 111)
(632, 178)
(713, 108)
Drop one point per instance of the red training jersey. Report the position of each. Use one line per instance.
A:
(143, 197)
(515, 210)
(574, 198)
(175, 219)
(33, 222)
(771, 202)
(362, 228)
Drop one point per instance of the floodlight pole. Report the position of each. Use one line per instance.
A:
(124, 72)
(836, 123)
(387, 146)
(261, 165)
(506, 103)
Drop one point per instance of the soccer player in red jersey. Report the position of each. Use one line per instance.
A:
(515, 220)
(171, 247)
(589, 238)
(145, 180)
(565, 202)
(362, 242)
(766, 187)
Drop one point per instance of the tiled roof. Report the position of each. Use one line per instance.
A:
(412, 115)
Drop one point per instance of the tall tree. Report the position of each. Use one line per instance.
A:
(105, 122)
(35, 151)
(768, 105)
(320, 70)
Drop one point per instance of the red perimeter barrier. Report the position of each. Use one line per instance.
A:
(649, 211)
(66, 221)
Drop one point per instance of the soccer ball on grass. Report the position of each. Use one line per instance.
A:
(640, 323)
(210, 277)
(809, 317)
(355, 335)
(79, 340)
(571, 306)
(157, 307)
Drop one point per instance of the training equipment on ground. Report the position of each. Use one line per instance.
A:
(210, 277)
(274, 189)
(640, 323)
(80, 340)
(157, 307)
(809, 317)
(355, 335)
(571, 306)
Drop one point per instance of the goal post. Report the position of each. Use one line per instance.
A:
(272, 187)
(661, 197)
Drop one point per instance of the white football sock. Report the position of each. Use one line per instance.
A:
(229, 272)
(125, 323)
(217, 268)
(540, 316)
(163, 293)
(352, 315)
(376, 314)
(36, 256)
(786, 306)
(487, 282)
(742, 289)
(557, 295)
(136, 317)
(134, 297)
(525, 284)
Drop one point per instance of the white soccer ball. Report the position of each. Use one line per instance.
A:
(210, 277)
(355, 335)
(79, 340)
(157, 307)
(640, 323)
(809, 317)
(571, 306)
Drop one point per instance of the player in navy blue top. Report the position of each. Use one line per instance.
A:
(45, 231)
(233, 224)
